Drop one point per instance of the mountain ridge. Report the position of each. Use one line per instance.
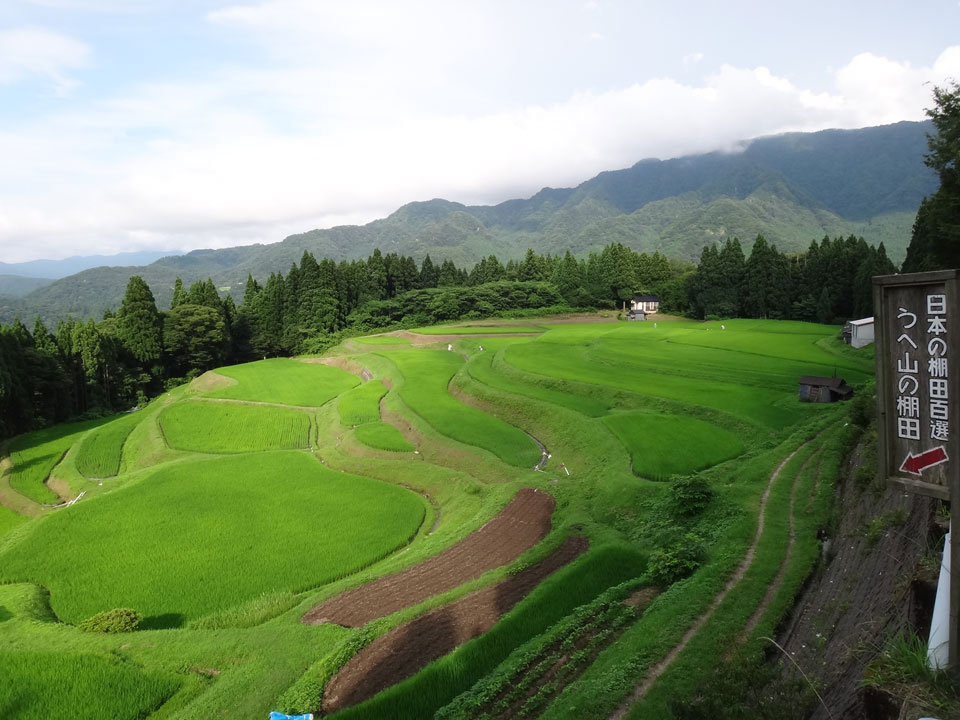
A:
(792, 188)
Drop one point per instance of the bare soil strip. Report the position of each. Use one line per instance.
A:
(523, 523)
(344, 363)
(657, 670)
(406, 649)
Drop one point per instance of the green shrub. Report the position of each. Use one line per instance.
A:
(689, 495)
(117, 620)
(676, 561)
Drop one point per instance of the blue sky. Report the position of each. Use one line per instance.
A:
(176, 124)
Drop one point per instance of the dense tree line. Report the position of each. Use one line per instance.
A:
(831, 282)
(935, 243)
(87, 367)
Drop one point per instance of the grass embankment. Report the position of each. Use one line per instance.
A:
(285, 381)
(210, 427)
(426, 375)
(278, 521)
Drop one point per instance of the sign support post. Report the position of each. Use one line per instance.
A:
(917, 329)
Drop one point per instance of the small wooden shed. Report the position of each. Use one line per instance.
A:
(824, 389)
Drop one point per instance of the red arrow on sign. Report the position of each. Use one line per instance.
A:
(916, 464)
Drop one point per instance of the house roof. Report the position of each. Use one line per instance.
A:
(834, 383)
(645, 298)
(862, 321)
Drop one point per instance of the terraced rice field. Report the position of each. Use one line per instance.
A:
(255, 514)
(209, 427)
(285, 381)
(99, 452)
(281, 564)
(426, 374)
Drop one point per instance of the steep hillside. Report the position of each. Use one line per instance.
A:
(791, 188)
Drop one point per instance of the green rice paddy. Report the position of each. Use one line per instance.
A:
(234, 511)
(99, 453)
(211, 427)
(382, 436)
(35, 454)
(278, 521)
(426, 374)
(285, 381)
(362, 404)
(665, 445)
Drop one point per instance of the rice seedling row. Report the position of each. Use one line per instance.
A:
(212, 427)
(361, 404)
(100, 451)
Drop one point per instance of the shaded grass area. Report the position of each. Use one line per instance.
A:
(99, 453)
(556, 597)
(361, 404)
(382, 436)
(665, 445)
(210, 427)
(285, 381)
(426, 375)
(35, 454)
(93, 687)
(160, 546)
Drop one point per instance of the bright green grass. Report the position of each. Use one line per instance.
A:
(478, 329)
(99, 453)
(215, 427)
(760, 341)
(382, 436)
(483, 369)
(40, 686)
(440, 682)
(729, 366)
(382, 340)
(285, 381)
(9, 520)
(35, 454)
(196, 538)
(426, 374)
(665, 445)
(361, 404)
(758, 405)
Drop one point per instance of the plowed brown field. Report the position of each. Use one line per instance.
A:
(517, 528)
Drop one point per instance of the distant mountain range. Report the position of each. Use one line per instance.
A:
(54, 269)
(792, 188)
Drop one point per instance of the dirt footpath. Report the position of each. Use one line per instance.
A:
(523, 523)
(406, 649)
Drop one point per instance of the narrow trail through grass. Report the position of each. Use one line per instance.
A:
(657, 670)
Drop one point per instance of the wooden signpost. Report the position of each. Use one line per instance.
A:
(918, 397)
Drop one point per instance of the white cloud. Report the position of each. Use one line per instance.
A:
(38, 51)
(203, 164)
(692, 58)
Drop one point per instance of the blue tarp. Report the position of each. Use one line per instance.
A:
(280, 716)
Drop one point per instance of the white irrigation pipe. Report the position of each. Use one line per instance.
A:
(939, 644)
